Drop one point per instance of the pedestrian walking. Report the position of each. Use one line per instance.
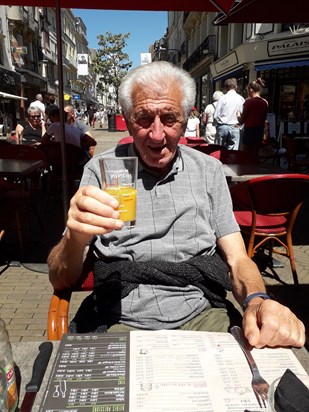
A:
(208, 118)
(193, 124)
(253, 117)
(225, 115)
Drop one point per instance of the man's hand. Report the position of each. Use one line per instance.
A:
(268, 323)
(92, 212)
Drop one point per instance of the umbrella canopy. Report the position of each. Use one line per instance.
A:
(265, 11)
(157, 5)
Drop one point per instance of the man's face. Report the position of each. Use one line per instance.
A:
(156, 124)
(70, 115)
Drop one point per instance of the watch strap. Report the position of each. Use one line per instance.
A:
(262, 295)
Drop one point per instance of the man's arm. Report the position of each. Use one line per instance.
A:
(92, 212)
(265, 322)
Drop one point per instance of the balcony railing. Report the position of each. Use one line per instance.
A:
(206, 48)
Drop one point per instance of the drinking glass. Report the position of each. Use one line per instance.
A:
(3, 392)
(119, 175)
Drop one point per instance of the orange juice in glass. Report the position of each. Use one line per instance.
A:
(119, 175)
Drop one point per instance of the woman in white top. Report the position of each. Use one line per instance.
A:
(208, 118)
(193, 124)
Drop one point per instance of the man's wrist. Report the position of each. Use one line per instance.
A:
(248, 299)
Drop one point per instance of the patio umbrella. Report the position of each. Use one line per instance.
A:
(156, 5)
(265, 11)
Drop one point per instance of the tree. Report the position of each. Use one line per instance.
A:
(111, 63)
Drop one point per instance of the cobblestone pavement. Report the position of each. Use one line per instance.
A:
(25, 290)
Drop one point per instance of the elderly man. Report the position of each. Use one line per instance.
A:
(165, 272)
(72, 121)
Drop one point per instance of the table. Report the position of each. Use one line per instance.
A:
(300, 137)
(19, 168)
(24, 354)
(242, 172)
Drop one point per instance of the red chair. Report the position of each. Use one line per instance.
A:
(192, 141)
(26, 152)
(213, 150)
(266, 208)
(13, 199)
(125, 140)
(297, 162)
(58, 313)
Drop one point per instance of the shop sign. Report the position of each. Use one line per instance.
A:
(227, 63)
(9, 80)
(291, 45)
(19, 50)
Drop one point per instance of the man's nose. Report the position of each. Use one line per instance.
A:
(157, 129)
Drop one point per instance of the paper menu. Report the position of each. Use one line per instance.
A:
(197, 371)
(153, 371)
(90, 374)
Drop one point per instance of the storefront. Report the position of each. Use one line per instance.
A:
(11, 101)
(31, 84)
(231, 65)
(284, 65)
(286, 72)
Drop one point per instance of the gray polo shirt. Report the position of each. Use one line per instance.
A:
(178, 217)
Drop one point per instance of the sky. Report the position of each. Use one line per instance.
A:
(145, 28)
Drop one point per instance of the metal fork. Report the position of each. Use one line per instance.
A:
(259, 385)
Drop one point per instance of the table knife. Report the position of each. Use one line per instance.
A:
(38, 372)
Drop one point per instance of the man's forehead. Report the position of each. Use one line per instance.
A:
(151, 97)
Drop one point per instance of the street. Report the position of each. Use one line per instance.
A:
(105, 139)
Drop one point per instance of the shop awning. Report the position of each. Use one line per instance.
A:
(231, 73)
(267, 65)
(12, 96)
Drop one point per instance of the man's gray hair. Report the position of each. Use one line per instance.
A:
(39, 97)
(157, 75)
(230, 84)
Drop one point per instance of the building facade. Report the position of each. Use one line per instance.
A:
(29, 60)
(278, 53)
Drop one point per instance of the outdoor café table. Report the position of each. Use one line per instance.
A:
(18, 168)
(241, 172)
(24, 354)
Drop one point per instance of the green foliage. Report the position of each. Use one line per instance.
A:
(111, 62)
